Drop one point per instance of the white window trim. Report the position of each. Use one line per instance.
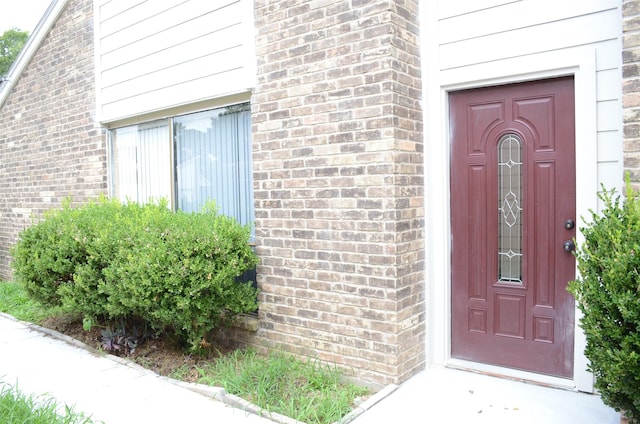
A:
(219, 102)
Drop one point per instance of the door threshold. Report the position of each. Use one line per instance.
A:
(512, 374)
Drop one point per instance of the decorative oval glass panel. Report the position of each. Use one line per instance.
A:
(510, 192)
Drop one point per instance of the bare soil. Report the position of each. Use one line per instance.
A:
(159, 354)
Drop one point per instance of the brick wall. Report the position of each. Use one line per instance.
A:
(631, 88)
(50, 146)
(338, 173)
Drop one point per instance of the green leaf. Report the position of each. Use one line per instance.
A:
(87, 323)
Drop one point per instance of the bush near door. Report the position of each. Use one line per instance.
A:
(608, 294)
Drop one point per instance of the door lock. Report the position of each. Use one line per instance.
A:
(569, 246)
(569, 224)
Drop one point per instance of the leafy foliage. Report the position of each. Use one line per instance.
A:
(608, 294)
(11, 42)
(174, 270)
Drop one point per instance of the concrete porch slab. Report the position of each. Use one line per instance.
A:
(444, 395)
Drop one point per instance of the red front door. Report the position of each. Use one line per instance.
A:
(512, 212)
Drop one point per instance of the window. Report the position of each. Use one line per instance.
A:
(510, 209)
(189, 160)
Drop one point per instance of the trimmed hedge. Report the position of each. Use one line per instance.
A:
(175, 270)
(608, 294)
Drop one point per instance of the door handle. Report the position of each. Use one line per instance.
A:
(569, 246)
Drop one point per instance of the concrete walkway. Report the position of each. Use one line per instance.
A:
(443, 395)
(108, 389)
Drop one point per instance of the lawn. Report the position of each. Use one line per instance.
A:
(308, 391)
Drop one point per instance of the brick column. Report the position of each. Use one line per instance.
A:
(338, 169)
(631, 88)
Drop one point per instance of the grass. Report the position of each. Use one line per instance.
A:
(311, 392)
(307, 391)
(15, 301)
(17, 408)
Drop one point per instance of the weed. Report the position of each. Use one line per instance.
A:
(17, 408)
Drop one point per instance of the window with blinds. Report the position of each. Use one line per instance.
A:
(188, 160)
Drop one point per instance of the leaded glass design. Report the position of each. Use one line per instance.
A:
(510, 209)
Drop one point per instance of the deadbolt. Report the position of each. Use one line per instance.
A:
(569, 246)
(569, 224)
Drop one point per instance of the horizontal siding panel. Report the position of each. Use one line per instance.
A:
(609, 115)
(609, 175)
(528, 13)
(174, 17)
(548, 37)
(176, 36)
(100, 4)
(448, 8)
(609, 55)
(148, 66)
(609, 84)
(182, 93)
(197, 69)
(135, 15)
(112, 8)
(609, 146)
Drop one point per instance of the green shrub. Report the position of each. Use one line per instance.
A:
(608, 294)
(47, 254)
(174, 270)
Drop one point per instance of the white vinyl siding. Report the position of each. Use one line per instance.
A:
(153, 56)
(491, 30)
(527, 26)
(488, 33)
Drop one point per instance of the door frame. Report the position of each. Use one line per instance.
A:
(580, 62)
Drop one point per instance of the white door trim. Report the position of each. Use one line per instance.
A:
(579, 62)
